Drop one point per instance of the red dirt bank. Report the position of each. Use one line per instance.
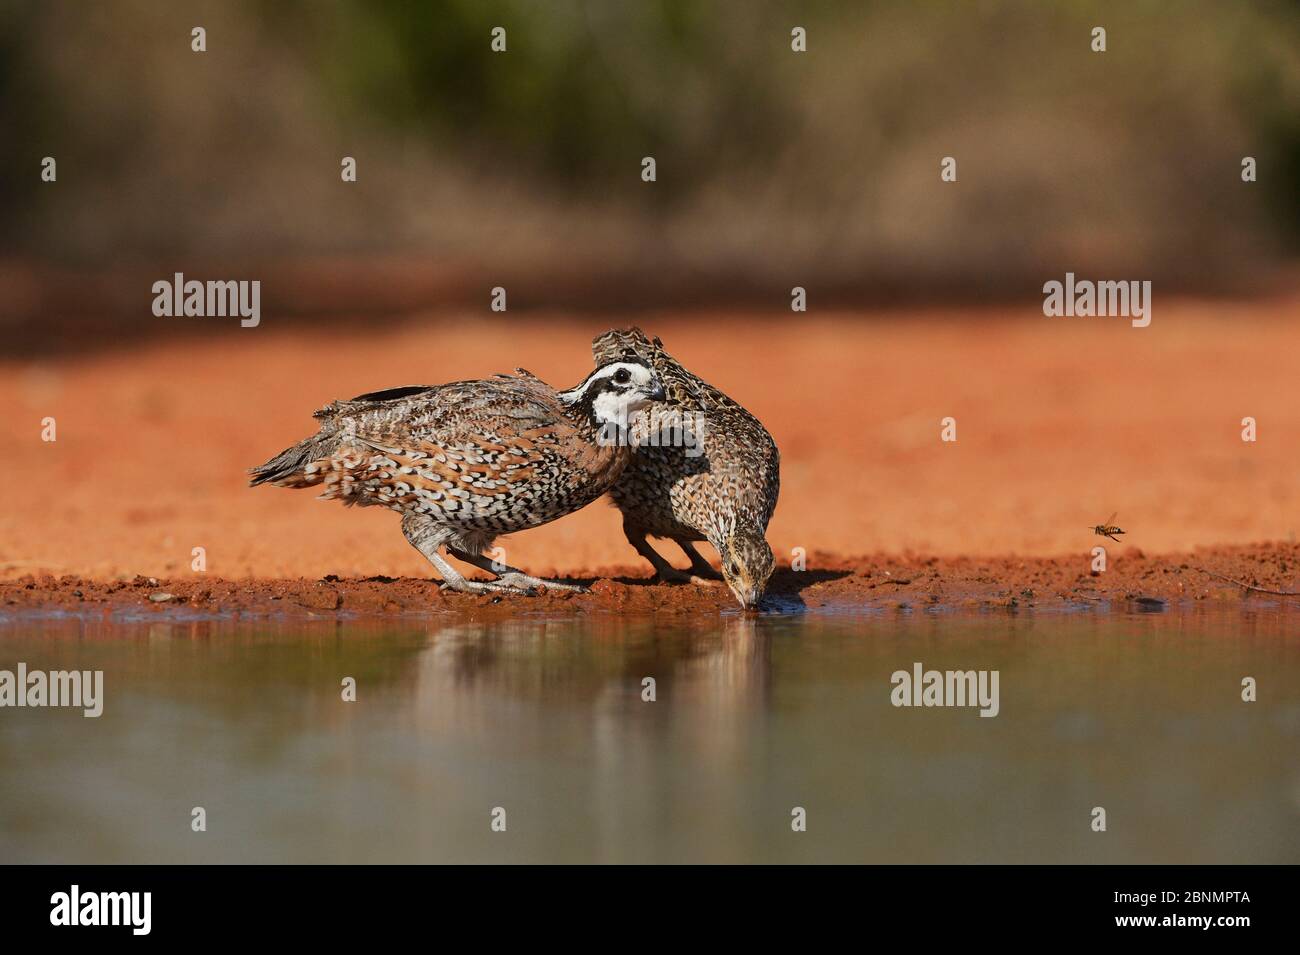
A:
(1132, 581)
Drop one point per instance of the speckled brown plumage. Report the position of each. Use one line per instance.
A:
(468, 461)
(725, 496)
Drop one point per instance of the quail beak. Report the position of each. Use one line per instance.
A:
(656, 390)
(747, 594)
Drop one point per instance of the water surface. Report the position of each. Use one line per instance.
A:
(1138, 713)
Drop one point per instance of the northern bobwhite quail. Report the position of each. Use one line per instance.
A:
(724, 495)
(468, 461)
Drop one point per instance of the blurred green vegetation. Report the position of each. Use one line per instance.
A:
(589, 87)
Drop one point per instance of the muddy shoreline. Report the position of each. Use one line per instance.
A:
(1133, 581)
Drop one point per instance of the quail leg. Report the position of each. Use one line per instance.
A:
(664, 571)
(702, 571)
(424, 536)
(452, 579)
(512, 579)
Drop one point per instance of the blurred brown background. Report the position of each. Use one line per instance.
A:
(522, 169)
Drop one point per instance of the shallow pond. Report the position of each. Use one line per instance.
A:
(1140, 714)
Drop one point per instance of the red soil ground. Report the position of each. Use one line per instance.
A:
(1060, 423)
(1132, 582)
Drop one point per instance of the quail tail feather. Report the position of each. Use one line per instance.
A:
(289, 467)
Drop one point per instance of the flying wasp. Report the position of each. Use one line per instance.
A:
(1108, 529)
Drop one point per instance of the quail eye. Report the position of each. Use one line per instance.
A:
(622, 376)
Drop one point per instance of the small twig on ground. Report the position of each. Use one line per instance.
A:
(1242, 583)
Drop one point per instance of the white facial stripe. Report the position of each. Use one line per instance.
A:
(640, 377)
(573, 394)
